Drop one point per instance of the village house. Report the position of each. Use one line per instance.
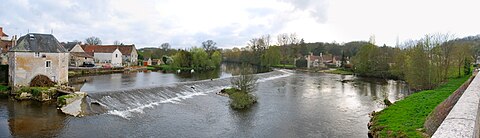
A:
(78, 57)
(5, 45)
(157, 62)
(104, 55)
(323, 61)
(37, 55)
(315, 61)
(147, 62)
(129, 55)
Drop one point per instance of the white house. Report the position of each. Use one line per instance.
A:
(105, 55)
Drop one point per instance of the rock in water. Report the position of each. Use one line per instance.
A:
(73, 104)
(73, 108)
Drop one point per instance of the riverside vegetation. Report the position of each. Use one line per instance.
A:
(435, 66)
(242, 87)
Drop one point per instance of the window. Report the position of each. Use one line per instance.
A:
(116, 55)
(48, 63)
(37, 54)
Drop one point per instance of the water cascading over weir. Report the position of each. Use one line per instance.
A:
(124, 102)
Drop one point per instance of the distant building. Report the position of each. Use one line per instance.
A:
(157, 62)
(315, 61)
(129, 55)
(78, 56)
(104, 55)
(5, 45)
(147, 62)
(37, 54)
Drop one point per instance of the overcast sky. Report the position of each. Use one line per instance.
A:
(186, 23)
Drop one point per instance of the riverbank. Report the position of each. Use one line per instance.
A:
(406, 118)
(86, 71)
(169, 68)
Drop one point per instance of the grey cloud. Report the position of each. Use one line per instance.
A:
(316, 8)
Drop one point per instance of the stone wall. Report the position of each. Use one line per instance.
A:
(435, 119)
(462, 121)
(24, 66)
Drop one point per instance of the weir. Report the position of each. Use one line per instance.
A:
(124, 102)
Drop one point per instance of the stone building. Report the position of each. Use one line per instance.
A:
(37, 55)
(78, 56)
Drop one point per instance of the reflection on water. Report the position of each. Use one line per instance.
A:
(149, 78)
(30, 118)
(297, 105)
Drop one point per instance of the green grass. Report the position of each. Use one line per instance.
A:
(240, 100)
(287, 66)
(340, 71)
(62, 99)
(403, 118)
(3, 88)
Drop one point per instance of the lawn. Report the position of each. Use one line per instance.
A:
(403, 118)
(287, 66)
(340, 71)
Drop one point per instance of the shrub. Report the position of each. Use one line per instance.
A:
(242, 100)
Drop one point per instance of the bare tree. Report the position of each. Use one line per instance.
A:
(267, 39)
(209, 46)
(93, 41)
(165, 46)
(246, 81)
(116, 42)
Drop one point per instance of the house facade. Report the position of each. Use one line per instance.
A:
(37, 54)
(315, 61)
(101, 53)
(78, 56)
(104, 55)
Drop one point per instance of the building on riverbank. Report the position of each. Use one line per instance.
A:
(104, 54)
(37, 55)
(5, 45)
(78, 57)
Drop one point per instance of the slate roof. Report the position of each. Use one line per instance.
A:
(124, 49)
(34, 42)
(69, 45)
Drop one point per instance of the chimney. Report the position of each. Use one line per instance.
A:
(1, 30)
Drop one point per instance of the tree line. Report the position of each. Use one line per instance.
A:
(287, 49)
(204, 58)
(423, 64)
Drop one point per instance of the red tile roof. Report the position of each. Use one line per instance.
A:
(124, 49)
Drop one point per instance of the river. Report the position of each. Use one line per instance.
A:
(152, 104)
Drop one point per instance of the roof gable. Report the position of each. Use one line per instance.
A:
(38, 43)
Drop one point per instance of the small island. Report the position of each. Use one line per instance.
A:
(240, 94)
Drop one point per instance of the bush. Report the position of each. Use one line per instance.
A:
(242, 100)
(62, 99)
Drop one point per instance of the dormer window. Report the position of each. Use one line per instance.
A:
(37, 54)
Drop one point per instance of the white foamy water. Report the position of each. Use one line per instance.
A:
(127, 103)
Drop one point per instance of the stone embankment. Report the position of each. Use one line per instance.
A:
(463, 119)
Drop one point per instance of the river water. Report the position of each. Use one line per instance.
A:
(290, 104)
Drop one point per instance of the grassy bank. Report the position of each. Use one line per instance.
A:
(403, 118)
(340, 71)
(240, 100)
(286, 66)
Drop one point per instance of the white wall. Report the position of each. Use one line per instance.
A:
(114, 58)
